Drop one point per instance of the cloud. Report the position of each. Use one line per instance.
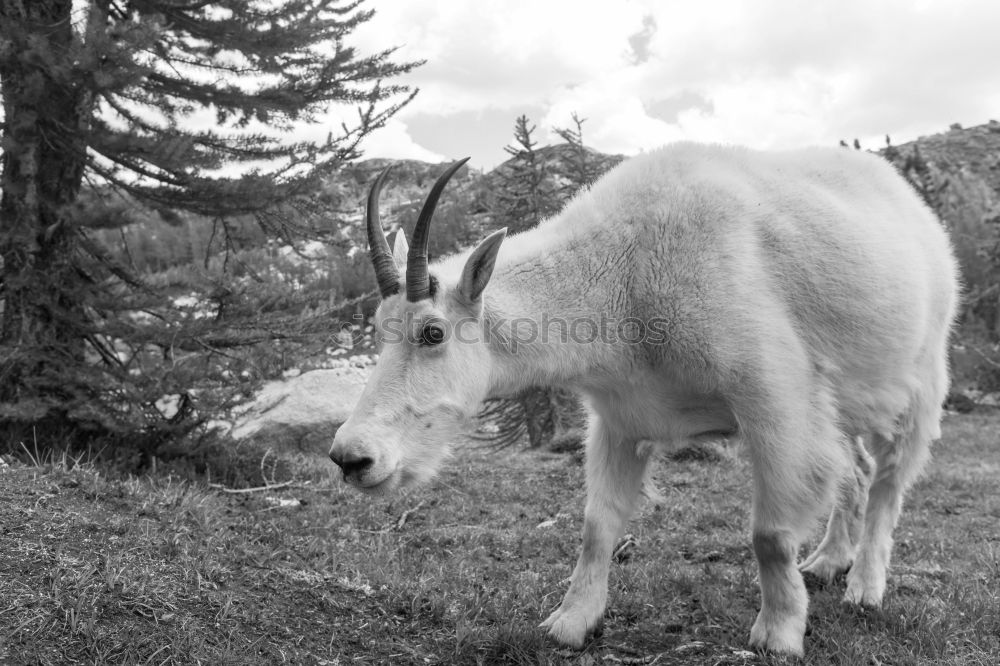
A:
(772, 73)
(669, 109)
(481, 134)
(394, 140)
(498, 53)
(639, 42)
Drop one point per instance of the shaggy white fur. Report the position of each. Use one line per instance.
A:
(802, 299)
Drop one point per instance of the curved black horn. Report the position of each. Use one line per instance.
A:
(378, 247)
(418, 281)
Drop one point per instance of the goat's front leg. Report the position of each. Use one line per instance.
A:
(615, 472)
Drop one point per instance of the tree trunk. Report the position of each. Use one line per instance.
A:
(45, 109)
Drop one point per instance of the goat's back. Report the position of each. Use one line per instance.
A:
(732, 244)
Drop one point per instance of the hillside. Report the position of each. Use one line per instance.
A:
(958, 173)
(975, 150)
(470, 191)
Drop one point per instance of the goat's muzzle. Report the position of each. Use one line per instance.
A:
(353, 465)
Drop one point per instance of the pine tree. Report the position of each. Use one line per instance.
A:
(526, 196)
(115, 107)
(582, 170)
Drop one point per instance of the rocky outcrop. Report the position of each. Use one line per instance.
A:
(300, 414)
(958, 174)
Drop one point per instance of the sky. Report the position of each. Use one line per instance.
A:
(768, 74)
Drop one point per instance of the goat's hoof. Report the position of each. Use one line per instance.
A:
(826, 567)
(778, 637)
(570, 627)
(864, 588)
(864, 596)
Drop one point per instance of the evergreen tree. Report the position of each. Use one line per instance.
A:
(115, 107)
(582, 170)
(526, 196)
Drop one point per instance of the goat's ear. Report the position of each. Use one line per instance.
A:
(479, 268)
(399, 249)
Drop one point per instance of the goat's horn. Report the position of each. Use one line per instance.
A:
(418, 281)
(378, 247)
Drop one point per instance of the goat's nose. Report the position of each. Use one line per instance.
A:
(352, 464)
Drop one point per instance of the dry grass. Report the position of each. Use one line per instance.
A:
(98, 569)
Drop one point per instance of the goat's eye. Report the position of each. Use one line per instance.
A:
(432, 334)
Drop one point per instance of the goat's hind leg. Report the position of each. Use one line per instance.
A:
(797, 459)
(615, 473)
(897, 463)
(899, 459)
(835, 553)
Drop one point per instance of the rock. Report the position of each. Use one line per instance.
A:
(959, 402)
(990, 400)
(168, 405)
(301, 413)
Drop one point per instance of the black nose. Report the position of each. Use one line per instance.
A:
(351, 463)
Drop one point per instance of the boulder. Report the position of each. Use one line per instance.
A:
(301, 413)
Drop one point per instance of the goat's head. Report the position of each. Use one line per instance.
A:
(434, 366)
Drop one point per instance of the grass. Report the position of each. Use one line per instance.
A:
(100, 569)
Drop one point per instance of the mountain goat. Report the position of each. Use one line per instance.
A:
(801, 299)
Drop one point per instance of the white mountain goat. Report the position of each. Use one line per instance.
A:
(800, 299)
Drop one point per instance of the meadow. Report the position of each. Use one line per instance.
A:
(97, 567)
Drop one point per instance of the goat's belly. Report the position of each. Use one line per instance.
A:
(659, 409)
